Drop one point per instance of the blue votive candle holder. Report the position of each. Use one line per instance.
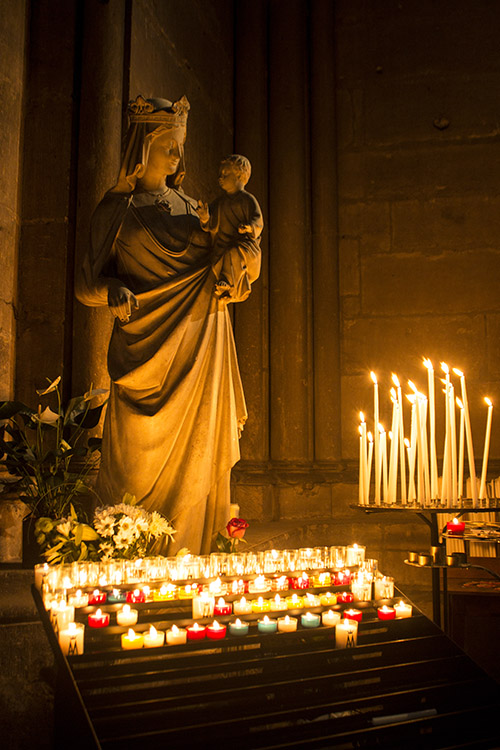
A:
(116, 597)
(266, 625)
(238, 627)
(310, 620)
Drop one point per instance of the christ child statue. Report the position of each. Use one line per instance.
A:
(233, 219)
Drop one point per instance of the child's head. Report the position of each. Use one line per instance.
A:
(234, 173)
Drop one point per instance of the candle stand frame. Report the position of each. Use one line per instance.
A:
(429, 514)
(404, 679)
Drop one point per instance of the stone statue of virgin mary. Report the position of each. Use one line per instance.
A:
(176, 408)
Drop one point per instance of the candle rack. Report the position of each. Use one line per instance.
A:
(430, 516)
(294, 690)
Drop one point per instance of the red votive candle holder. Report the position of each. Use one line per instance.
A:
(342, 578)
(346, 597)
(353, 614)
(136, 596)
(223, 608)
(97, 597)
(196, 632)
(215, 631)
(386, 613)
(299, 582)
(455, 527)
(98, 619)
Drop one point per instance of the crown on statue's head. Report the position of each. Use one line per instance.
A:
(159, 111)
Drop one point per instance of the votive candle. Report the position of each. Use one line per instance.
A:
(310, 620)
(287, 624)
(176, 636)
(266, 625)
(238, 627)
(131, 640)
(353, 614)
(242, 606)
(71, 639)
(216, 631)
(98, 619)
(386, 613)
(403, 610)
(330, 618)
(154, 638)
(196, 632)
(346, 634)
(127, 616)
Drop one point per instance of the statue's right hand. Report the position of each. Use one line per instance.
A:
(121, 302)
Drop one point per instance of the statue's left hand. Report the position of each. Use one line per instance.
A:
(121, 302)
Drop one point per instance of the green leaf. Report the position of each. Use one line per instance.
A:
(89, 534)
(9, 409)
(79, 534)
(223, 543)
(129, 499)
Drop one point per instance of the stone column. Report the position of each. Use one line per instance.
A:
(12, 53)
(251, 319)
(325, 307)
(289, 236)
(99, 159)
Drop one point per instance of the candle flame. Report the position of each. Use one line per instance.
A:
(361, 416)
(488, 401)
(370, 437)
(266, 618)
(381, 428)
(131, 634)
(445, 368)
(98, 613)
(459, 403)
(413, 386)
(458, 372)
(175, 629)
(390, 434)
(126, 609)
(238, 623)
(428, 364)
(153, 631)
(395, 380)
(72, 628)
(407, 443)
(215, 625)
(360, 430)
(373, 377)
(287, 619)
(411, 398)
(221, 602)
(163, 591)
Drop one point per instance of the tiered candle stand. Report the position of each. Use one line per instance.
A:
(429, 514)
(402, 680)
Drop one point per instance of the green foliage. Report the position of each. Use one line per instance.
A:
(46, 453)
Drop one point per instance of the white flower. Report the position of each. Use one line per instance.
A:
(64, 528)
(50, 388)
(46, 417)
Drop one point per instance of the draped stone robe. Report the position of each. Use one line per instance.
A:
(176, 408)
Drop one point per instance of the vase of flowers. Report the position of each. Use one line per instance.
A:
(127, 531)
(46, 455)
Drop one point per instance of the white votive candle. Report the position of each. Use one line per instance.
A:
(242, 606)
(154, 638)
(127, 616)
(287, 624)
(176, 636)
(330, 618)
(71, 639)
(403, 610)
(346, 634)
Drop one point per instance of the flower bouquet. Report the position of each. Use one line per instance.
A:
(235, 528)
(66, 540)
(127, 531)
